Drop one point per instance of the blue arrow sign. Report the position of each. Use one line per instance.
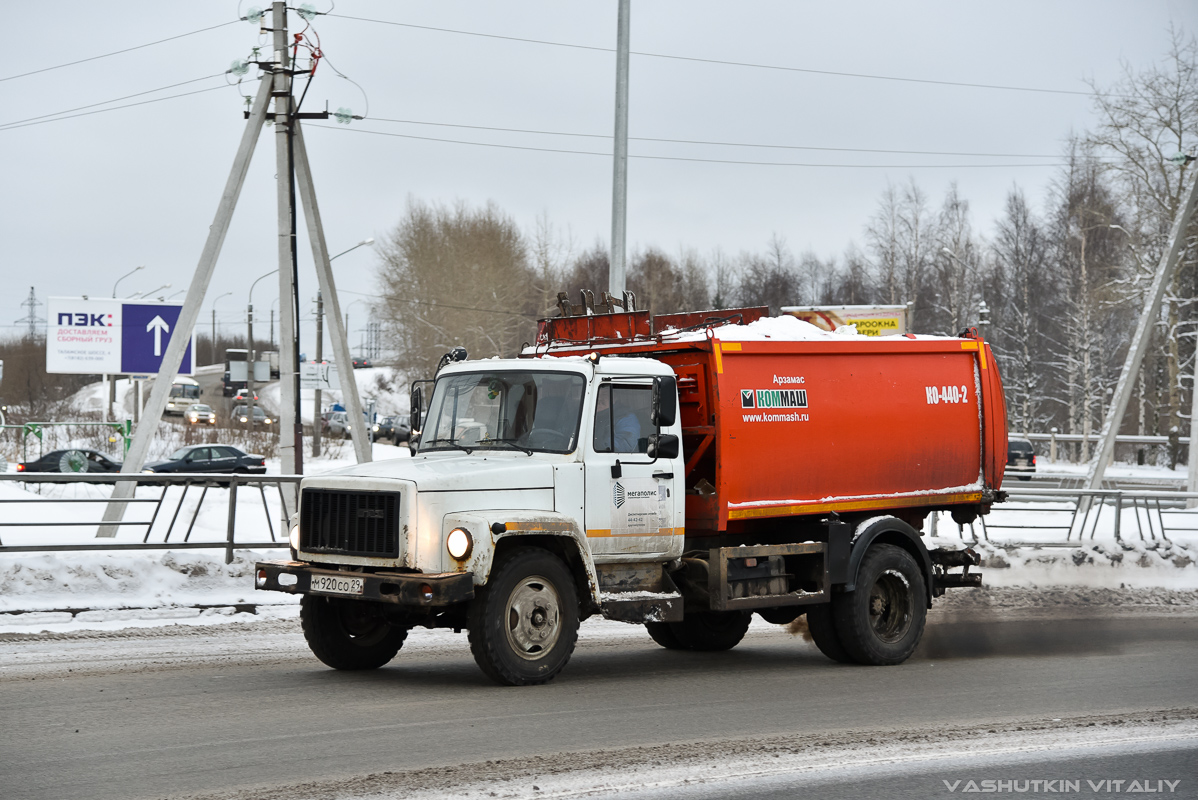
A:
(146, 331)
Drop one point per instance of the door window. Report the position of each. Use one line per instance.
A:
(622, 419)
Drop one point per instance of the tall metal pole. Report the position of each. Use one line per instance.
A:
(319, 360)
(1139, 343)
(328, 287)
(249, 362)
(619, 202)
(135, 458)
(289, 455)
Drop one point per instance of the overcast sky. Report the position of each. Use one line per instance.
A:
(88, 199)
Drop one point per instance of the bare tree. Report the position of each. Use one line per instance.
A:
(456, 276)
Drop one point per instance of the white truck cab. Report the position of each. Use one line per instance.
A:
(543, 490)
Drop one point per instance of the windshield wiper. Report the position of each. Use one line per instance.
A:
(451, 443)
(511, 442)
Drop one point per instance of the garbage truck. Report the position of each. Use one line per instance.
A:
(682, 472)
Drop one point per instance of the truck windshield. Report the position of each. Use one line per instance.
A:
(501, 410)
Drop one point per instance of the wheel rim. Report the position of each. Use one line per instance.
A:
(362, 629)
(533, 619)
(890, 606)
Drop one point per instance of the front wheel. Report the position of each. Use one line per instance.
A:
(348, 634)
(524, 623)
(882, 621)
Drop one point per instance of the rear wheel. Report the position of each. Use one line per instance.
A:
(348, 634)
(823, 633)
(524, 623)
(713, 630)
(882, 621)
(663, 634)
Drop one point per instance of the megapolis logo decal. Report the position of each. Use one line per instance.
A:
(618, 495)
(773, 398)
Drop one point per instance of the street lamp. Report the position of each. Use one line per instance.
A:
(362, 243)
(181, 291)
(126, 275)
(249, 361)
(144, 295)
(226, 294)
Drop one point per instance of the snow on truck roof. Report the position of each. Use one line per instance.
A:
(784, 328)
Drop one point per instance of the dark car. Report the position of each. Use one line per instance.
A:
(210, 458)
(1021, 458)
(241, 416)
(362, 363)
(71, 461)
(395, 429)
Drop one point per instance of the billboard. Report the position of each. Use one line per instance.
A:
(870, 320)
(90, 336)
(318, 376)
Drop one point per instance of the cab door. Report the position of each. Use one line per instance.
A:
(632, 507)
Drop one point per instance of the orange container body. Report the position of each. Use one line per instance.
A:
(783, 428)
(822, 426)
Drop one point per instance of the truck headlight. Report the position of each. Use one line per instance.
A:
(294, 538)
(459, 543)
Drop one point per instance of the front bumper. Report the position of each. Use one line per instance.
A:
(416, 590)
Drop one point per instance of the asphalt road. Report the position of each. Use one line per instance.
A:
(99, 719)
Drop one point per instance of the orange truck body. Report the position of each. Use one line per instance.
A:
(899, 425)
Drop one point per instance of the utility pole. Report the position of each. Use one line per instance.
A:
(319, 360)
(619, 209)
(135, 458)
(1139, 343)
(290, 432)
(249, 362)
(328, 287)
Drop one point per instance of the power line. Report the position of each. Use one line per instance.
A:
(776, 67)
(117, 52)
(719, 144)
(14, 126)
(113, 100)
(684, 158)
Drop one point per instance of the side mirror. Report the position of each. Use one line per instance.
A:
(665, 402)
(662, 445)
(417, 404)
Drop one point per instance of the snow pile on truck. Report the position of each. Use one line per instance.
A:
(680, 471)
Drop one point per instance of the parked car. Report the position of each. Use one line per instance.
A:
(1021, 459)
(241, 415)
(362, 363)
(210, 458)
(395, 429)
(77, 460)
(199, 414)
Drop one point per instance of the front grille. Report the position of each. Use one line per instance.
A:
(350, 523)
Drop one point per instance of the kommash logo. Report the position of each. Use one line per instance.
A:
(773, 398)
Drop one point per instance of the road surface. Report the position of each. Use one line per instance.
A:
(245, 711)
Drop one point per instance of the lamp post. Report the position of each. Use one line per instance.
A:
(226, 294)
(249, 361)
(112, 384)
(316, 395)
(126, 275)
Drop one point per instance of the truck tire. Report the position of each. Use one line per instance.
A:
(523, 624)
(882, 621)
(823, 633)
(713, 630)
(348, 634)
(663, 634)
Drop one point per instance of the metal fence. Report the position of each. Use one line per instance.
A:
(163, 520)
(1076, 515)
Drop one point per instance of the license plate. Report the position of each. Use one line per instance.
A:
(330, 584)
(1021, 462)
